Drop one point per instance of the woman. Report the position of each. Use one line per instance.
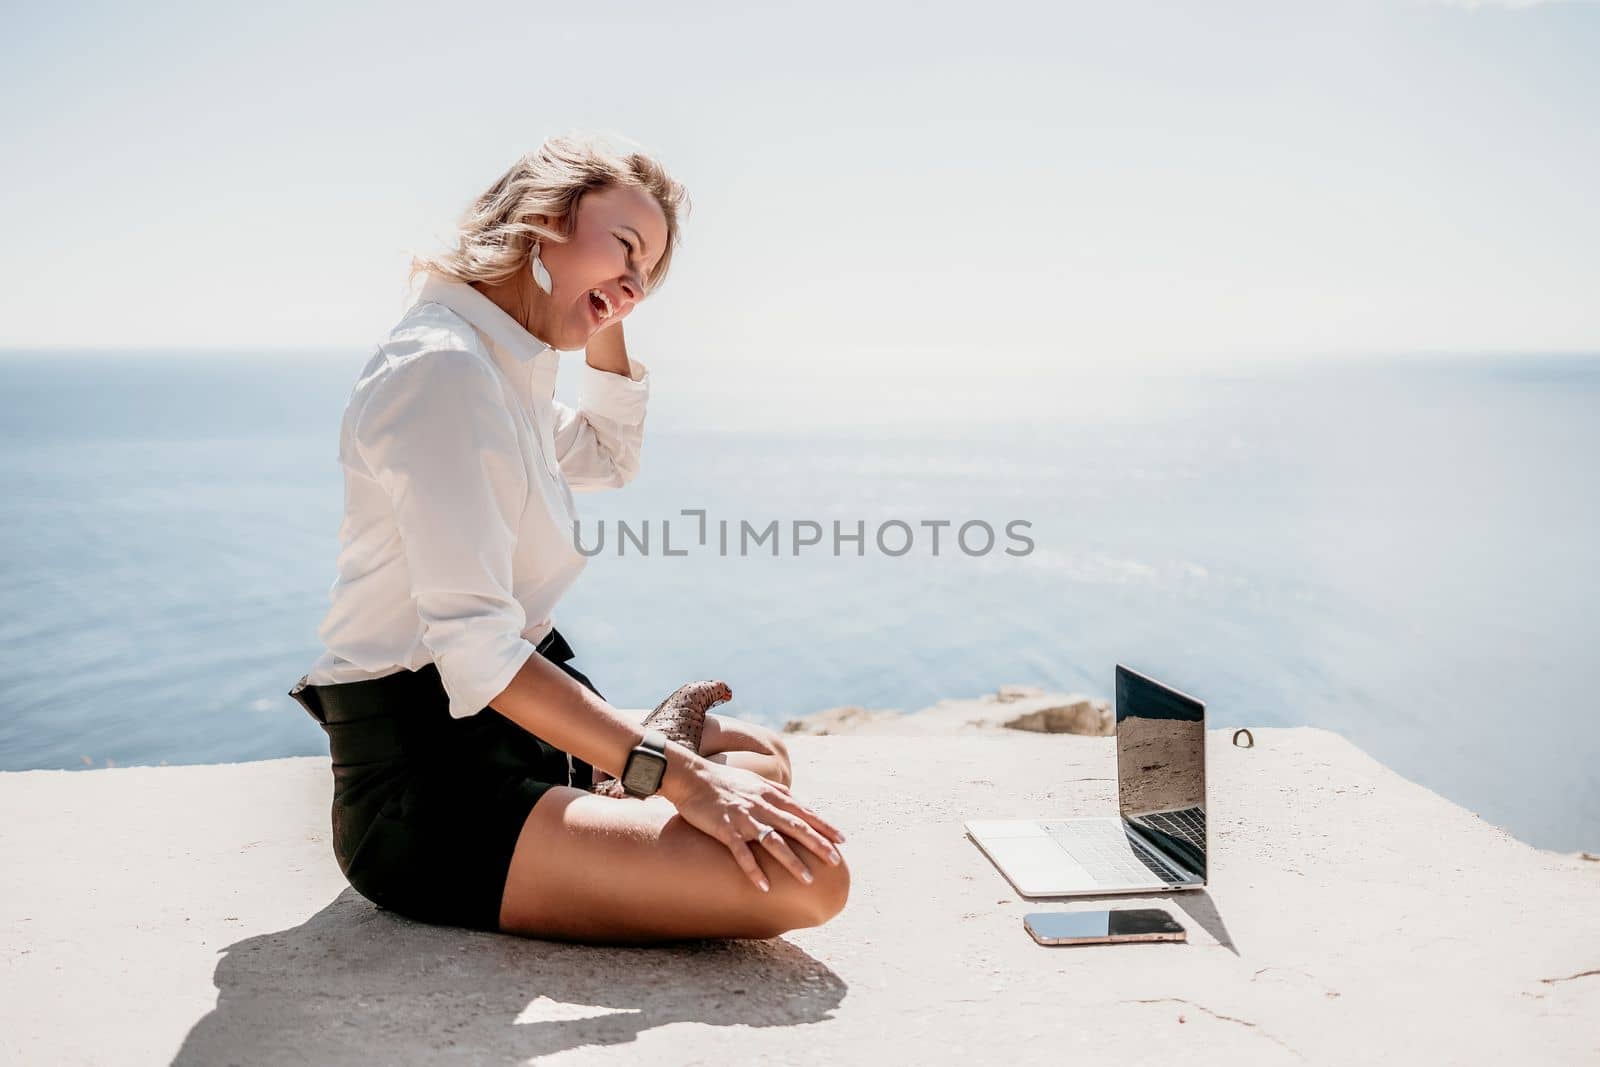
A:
(464, 746)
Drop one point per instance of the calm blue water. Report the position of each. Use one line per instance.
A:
(1401, 552)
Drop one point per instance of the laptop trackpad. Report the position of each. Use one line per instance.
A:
(1038, 866)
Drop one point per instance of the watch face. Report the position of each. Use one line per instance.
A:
(643, 772)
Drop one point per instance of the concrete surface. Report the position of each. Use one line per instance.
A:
(195, 915)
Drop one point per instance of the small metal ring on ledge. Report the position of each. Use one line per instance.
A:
(1248, 736)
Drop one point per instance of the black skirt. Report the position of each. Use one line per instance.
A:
(427, 808)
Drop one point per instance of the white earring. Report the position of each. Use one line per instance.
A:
(541, 276)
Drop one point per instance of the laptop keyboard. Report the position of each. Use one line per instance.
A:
(1188, 825)
(1109, 854)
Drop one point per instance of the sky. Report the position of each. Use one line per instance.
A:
(899, 185)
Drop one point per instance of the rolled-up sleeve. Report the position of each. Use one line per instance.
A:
(437, 435)
(598, 442)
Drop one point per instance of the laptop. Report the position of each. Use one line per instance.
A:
(1157, 840)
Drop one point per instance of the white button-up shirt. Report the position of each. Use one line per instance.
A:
(459, 466)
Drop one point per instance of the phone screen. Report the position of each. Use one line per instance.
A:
(1099, 925)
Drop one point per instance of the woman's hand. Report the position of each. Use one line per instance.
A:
(733, 805)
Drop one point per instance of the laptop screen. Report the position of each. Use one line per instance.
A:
(1161, 766)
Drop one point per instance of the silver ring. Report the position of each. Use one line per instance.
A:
(762, 836)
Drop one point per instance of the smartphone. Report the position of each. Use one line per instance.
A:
(1103, 927)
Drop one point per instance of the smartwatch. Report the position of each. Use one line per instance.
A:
(647, 762)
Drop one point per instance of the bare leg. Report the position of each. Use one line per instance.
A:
(767, 766)
(746, 744)
(604, 870)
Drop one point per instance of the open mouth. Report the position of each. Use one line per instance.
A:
(600, 305)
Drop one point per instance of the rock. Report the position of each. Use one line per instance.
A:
(849, 719)
(1081, 716)
(1013, 707)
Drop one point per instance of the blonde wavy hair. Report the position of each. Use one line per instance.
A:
(495, 237)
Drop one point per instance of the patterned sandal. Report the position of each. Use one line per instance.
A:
(682, 717)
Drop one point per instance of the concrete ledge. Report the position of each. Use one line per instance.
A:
(196, 914)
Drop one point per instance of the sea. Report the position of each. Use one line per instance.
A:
(1400, 550)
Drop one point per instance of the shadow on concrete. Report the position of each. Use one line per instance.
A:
(1199, 906)
(358, 984)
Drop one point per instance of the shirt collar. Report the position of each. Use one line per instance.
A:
(523, 357)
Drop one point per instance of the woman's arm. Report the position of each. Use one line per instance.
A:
(607, 351)
(544, 700)
(598, 443)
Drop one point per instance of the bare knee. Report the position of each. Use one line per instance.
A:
(799, 905)
(791, 905)
(831, 890)
(783, 770)
(781, 751)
